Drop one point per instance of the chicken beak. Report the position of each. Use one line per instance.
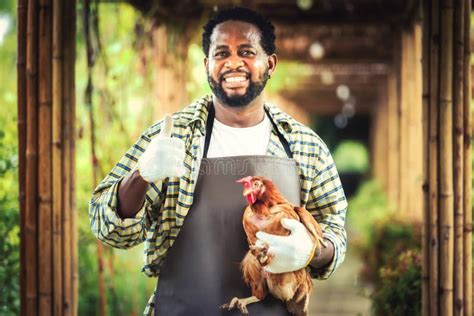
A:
(251, 198)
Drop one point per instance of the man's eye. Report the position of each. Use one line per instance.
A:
(247, 53)
(220, 54)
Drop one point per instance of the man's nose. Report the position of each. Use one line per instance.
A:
(234, 62)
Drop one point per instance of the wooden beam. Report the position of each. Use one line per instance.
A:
(31, 181)
(57, 156)
(458, 152)
(434, 138)
(446, 160)
(44, 162)
(425, 274)
(467, 181)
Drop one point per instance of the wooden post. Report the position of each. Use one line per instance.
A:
(170, 61)
(433, 157)
(31, 190)
(44, 161)
(404, 108)
(415, 126)
(446, 160)
(467, 173)
(425, 275)
(393, 160)
(458, 152)
(45, 259)
(57, 157)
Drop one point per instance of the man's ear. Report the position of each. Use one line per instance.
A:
(206, 62)
(272, 62)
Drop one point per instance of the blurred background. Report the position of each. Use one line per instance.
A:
(338, 72)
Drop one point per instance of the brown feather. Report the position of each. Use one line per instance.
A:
(265, 215)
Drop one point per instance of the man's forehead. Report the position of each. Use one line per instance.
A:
(242, 31)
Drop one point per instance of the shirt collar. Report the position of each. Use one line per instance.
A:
(199, 118)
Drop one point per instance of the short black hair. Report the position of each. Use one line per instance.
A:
(266, 27)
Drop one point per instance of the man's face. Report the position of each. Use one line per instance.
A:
(237, 67)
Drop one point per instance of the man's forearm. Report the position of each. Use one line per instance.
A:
(325, 257)
(131, 194)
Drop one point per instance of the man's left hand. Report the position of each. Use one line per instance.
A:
(290, 253)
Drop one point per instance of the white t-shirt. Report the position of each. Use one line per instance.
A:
(235, 141)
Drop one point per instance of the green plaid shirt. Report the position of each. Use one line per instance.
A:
(167, 202)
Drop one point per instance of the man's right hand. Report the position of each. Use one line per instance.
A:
(164, 156)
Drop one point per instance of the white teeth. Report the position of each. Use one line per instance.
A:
(235, 79)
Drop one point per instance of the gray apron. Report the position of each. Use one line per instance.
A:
(201, 270)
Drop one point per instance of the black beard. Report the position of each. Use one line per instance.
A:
(253, 90)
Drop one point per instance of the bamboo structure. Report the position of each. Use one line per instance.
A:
(433, 154)
(399, 129)
(46, 146)
(29, 231)
(458, 150)
(447, 263)
(422, 124)
(425, 273)
(170, 61)
(467, 172)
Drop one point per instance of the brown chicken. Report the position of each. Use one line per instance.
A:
(265, 210)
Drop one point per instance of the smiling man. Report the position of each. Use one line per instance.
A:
(175, 187)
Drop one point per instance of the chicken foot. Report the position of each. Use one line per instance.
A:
(240, 303)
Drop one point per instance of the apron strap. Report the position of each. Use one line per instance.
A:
(210, 125)
(283, 140)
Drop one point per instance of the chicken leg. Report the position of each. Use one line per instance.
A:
(240, 303)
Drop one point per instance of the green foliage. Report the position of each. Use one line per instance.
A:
(367, 206)
(389, 247)
(351, 156)
(9, 208)
(288, 75)
(123, 105)
(197, 85)
(399, 293)
(389, 238)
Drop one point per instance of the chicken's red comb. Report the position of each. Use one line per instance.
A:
(244, 180)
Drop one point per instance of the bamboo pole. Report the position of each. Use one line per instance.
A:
(406, 83)
(383, 137)
(446, 160)
(68, 38)
(415, 139)
(433, 159)
(31, 190)
(392, 131)
(467, 202)
(458, 152)
(22, 12)
(57, 155)
(44, 161)
(425, 273)
(393, 126)
(71, 58)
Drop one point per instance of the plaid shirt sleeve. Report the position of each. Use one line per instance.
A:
(106, 224)
(328, 205)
